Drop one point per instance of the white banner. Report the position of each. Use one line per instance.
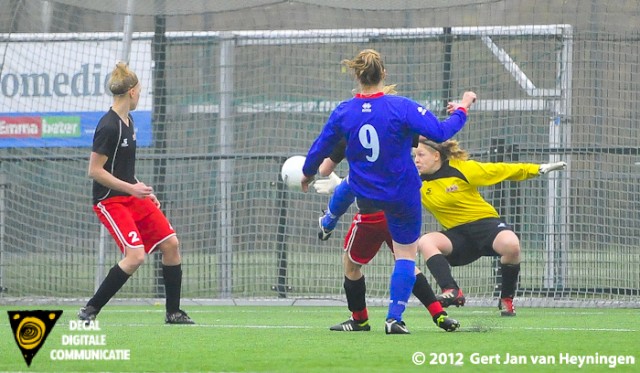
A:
(67, 76)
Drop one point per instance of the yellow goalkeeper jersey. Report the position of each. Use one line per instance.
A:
(451, 194)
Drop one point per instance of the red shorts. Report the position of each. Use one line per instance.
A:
(134, 222)
(365, 237)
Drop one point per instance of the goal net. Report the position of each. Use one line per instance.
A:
(230, 93)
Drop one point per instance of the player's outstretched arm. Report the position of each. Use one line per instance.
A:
(468, 98)
(545, 168)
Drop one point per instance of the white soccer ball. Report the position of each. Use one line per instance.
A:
(292, 171)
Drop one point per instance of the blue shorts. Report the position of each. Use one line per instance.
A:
(404, 217)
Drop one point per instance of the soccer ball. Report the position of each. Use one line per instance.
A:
(292, 171)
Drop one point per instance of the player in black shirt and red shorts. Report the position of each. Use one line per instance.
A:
(127, 206)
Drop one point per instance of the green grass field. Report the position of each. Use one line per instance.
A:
(297, 339)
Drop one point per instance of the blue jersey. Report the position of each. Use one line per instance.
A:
(379, 130)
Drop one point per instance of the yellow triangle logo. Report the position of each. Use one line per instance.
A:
(31, 329)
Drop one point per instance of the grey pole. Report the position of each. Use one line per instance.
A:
(127, 39)
(128, 31)
(227, 44)
(3, 186)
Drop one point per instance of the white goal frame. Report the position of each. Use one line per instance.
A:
(556, 100)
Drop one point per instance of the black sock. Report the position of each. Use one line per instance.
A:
(423, 291)
(355, 292)
(115, 279)
(441, 271)
(510, 274)
(172, 276)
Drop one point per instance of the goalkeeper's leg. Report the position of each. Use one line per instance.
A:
(507, 245)
(423, 291)
(433, 247)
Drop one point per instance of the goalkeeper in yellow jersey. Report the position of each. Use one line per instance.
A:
(472, 227)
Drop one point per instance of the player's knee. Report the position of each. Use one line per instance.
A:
(170, 251)
(170, 244)
(424, 243)
(137, 262)
(353, 275)
(507, 244)
(133, 260)
(427, 246)
(513, 247)
(352, 271)
(510, 251)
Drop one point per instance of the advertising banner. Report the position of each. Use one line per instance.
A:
(54, 93)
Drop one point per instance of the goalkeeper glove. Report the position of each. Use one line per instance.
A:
(548, 167)
(328, 185)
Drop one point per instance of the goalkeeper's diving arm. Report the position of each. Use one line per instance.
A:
(545, 168)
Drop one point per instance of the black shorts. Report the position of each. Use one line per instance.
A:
(473, 240)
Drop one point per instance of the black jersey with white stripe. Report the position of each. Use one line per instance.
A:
(117, 141)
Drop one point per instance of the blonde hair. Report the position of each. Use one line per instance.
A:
(367, 66)
(449, 149)
(122, 79)
(389, 89)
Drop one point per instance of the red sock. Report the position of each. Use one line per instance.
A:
(435, 308)
(361, 315)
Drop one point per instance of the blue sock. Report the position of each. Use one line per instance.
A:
(339, 203)
(402, 280)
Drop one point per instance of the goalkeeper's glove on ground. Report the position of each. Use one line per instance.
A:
(548, 167)
(328, 185)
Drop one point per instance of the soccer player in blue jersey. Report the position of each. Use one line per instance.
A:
(366, 235)
(379, 129)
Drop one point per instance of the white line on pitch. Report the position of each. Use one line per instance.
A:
(564, 329)
(227, 326)
(329, 310)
